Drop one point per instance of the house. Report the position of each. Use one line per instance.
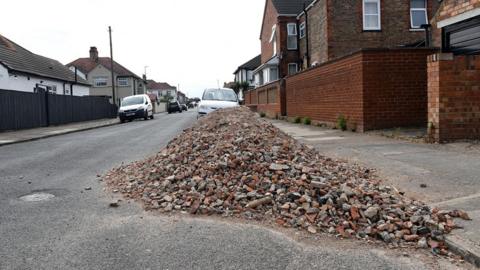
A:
(22, 70)
(279, 41)
(244, 73)
(363, 62)
(330, 29)
(454, 74)
(163, 90)
(97, 71)
(181, 97)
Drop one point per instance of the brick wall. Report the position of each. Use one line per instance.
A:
(373, 89)
(454, 97)
(324, 93)
(346, 32)
(270, 19)
(395, 88)
(317, 40)
(265, 99)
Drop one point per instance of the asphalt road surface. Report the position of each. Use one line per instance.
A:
(76, 229)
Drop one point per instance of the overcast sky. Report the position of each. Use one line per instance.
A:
(190, 42)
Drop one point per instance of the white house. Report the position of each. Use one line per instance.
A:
(244, 73)
(22, 70)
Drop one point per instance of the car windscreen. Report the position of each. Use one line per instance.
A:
(132, 101)
(220, 94)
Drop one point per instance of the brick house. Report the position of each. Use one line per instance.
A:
(330, 29)
(454, 74)
(279, 40)
(97, 71)
(362, 60)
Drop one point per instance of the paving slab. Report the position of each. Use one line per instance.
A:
(446, 176)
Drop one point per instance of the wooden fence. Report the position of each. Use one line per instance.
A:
(22, 110)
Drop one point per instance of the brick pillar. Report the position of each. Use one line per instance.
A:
(453, 97)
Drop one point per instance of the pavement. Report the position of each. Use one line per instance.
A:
(446, 176)
(55, 214)
(10, 137)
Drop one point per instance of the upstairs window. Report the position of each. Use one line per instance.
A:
(302, 30)
(371, 15)
(292, 36)
(100, 81)
(122, 81)
(273, 39)
(418, 13)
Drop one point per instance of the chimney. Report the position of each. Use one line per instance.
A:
(94, 54)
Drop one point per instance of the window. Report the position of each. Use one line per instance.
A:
(52, 89)
(371, 15)
(302, 30)
(273, 39)
(418, 13)
(100, 81)
(275, 47)
(122, 81)
(273, 74)
(292, 68)
(292, 36)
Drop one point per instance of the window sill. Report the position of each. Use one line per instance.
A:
(417, 30)
(372, 30)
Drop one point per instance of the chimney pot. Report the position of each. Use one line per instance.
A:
(94, 54)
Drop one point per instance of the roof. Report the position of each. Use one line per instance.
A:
(290, 7)
(16, 58)
(252, 64)
(153, 85)
(87, 64)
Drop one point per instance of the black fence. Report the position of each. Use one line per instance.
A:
(22, 110)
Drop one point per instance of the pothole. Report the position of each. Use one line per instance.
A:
(37, 197)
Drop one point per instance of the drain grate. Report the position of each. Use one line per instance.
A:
(37, 197)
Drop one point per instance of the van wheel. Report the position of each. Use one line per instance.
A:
(146, 116)
(151, 117)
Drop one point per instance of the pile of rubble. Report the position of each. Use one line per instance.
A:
(233, 164)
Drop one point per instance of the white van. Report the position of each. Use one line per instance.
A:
(133, 107)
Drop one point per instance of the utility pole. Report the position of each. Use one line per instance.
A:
(111, 66)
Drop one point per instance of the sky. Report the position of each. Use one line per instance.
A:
(191, 43)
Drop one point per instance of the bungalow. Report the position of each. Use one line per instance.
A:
(97, 71)
(22, 70)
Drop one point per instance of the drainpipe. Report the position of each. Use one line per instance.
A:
(428, 37)
(307, 46)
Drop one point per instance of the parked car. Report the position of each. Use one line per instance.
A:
(214, 99)
(174, 106)
(184, 107)
(133, 107)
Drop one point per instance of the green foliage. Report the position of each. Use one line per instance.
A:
(342, 122)
(297, 120)
(307, 121)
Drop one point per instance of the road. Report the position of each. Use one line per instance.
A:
(76, 229)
